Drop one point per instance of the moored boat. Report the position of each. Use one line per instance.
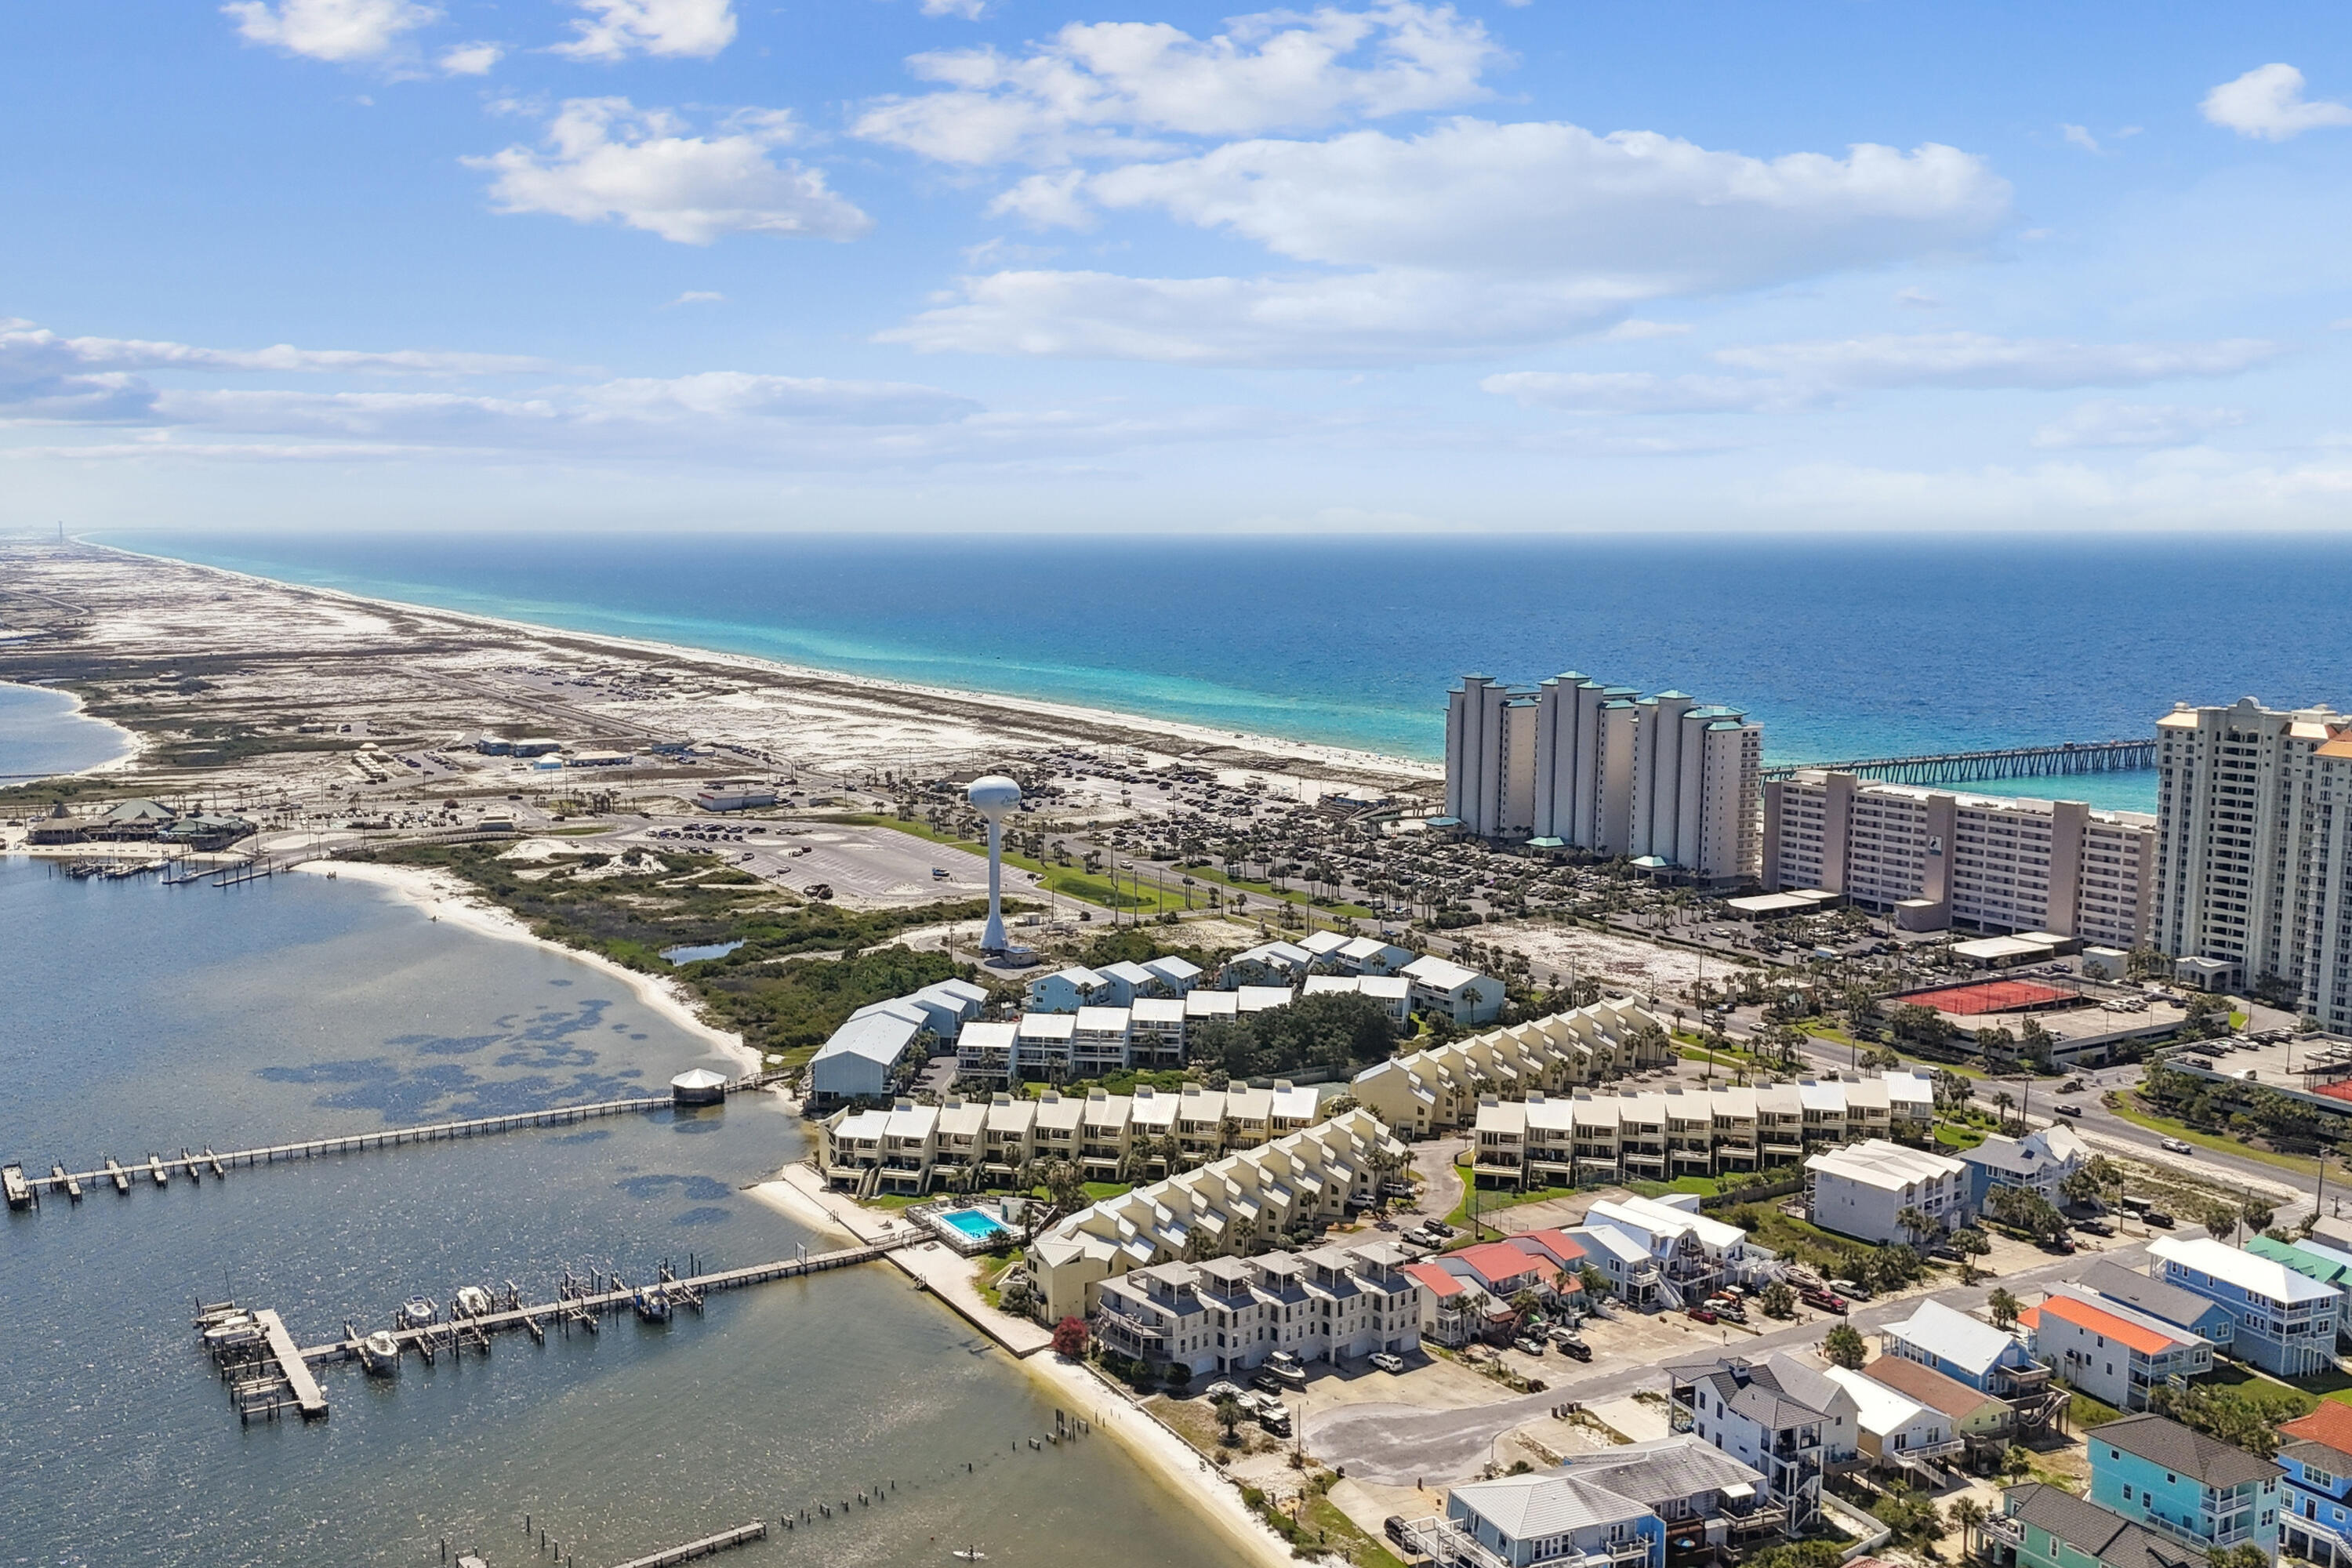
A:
(419, 1312)
(380, 1354)
(653, 1304)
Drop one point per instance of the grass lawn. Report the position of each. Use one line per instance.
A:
(2234, 1380)
(2083, 1410)
(1704, 1186)
(2220, 1146)
(1490, 1201)
(1952, 1137)
(1321, 1522)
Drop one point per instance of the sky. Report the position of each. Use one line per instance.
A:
(1003, 265)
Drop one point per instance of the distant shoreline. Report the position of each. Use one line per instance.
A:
(1319, 761)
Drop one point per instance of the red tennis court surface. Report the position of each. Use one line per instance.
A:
(1990, 996)
(2340, 1089)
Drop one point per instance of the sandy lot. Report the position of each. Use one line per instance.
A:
(1619, 960)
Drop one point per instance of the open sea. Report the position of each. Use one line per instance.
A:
(141, 1018)
(1840, 648)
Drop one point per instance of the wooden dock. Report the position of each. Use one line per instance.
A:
(756, 1530)
(292, 1366)
(475, 1330)
(192, 1166)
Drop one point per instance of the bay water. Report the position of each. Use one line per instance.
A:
(139, 1017)
(45, 733)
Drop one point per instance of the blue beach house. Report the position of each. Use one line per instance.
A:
(2193, 1487)
(2285, 1322)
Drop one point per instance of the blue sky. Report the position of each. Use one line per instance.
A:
(995, 264)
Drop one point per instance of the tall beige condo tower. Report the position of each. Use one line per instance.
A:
(1583, 765)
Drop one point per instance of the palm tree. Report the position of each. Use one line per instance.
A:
(1913, 1222)
(1969, 1515)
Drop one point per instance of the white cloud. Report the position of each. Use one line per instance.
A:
(2268, 102)
(1978, 360)
(616, 29)
(1086, 89)
(2080, 136)
(1471, 236)
(43, 376)
(470, 59)
(603, 158)
(337, 30)
(969, 10)
(1639, 392)
(699, 297)
(2109, 424)
(1917, 300)
(1634, 330)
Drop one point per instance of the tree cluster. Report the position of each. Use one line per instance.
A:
(1334, 1031)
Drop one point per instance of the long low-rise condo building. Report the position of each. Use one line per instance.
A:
(1938, 859)
(1237, 1207)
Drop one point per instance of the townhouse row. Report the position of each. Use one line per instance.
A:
(1229, 1314)
(1242, 1205)
(1438, 1089)
(1660, 1135)
(912, 1149)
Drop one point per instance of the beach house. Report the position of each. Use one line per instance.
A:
(2196, 1488)
(1447, 989)
(2043, 1526)
(2201, 1315)
(2110, 1350)
(1332, 1303)
(2315, 1453)
(1886, 1192)
(2283, 1322)
(1896, 1433)
(1742, 1409)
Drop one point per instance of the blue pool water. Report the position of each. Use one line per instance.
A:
(976, 1223)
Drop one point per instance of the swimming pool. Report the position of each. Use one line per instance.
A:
(975, 1225)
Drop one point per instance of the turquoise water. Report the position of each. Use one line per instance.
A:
(1840, 648)
(974, 1224)
(43, 733)
(163, 1018)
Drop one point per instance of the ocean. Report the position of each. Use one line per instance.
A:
(172, 1018)
(1840, 648)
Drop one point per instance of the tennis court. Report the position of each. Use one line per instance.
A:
(1990, 996)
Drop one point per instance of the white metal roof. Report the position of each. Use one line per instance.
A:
(1878, 1408)
(1889, 1167)
(2243, 1269)
(876, 1037)
(1955, 1337)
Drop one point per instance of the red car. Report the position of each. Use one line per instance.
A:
(1823, 1300)
(1703, 1315)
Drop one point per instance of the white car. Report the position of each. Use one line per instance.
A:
(1386, 1363)
(2175, 1146)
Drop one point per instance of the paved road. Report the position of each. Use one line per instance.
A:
(1397, 1444)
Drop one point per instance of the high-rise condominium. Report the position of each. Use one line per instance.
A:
(2254, 851)
(1589, 767)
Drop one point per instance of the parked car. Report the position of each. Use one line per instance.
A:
(1823, 1300)
(2058, 1244)
(1944, 1250)
(1703, 1315)
(1386, 1363)
(1527, 1346)
(1396, 1529)
(1574, 1350)
(1437, 1227)
(2158, 1218)
(2074, 1111)
(2095, 1226)
(2175, 1146)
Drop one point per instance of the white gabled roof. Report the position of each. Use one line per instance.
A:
(2243, 1269)
(1525, 1507)
(1878, 1408)
(879, 1037)
(1955, 1337)
(1440, 973)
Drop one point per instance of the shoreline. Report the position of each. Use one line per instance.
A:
(1406, 770)
(445, 898)
(134, 745)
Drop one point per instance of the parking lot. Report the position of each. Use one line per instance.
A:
(867, 868)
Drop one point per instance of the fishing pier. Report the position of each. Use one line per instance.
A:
(23, 1191)
(2070, 757)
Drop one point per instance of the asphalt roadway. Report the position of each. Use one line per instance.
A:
(1399, 1444)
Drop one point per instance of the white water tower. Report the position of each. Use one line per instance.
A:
(992, 798)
